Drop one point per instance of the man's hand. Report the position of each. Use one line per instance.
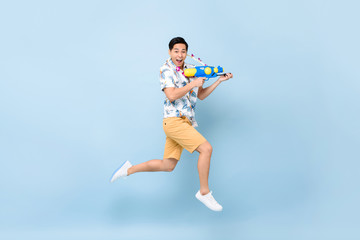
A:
(198, 82)
(225, 77)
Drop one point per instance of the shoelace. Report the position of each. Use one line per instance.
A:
(211, 198)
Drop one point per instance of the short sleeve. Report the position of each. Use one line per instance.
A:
(166, 78)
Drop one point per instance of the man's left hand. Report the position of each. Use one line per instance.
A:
(225, 77)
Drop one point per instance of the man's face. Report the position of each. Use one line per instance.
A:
(178, 54)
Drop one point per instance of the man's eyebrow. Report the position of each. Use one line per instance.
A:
(179, 49)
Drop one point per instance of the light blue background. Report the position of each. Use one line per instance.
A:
(80, 93)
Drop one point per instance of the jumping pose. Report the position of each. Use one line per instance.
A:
(179, 122)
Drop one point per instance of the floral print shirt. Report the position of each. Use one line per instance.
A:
(185, 106)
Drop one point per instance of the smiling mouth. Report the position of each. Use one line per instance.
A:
(179, 61)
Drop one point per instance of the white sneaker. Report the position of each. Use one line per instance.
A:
(121, 171)
(209, 201)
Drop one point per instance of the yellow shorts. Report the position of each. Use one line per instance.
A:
(180, 134)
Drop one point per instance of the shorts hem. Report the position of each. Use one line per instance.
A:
(176, 158)
(197, 145)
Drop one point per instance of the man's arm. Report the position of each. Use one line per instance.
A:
(205, 92)
(175, 93)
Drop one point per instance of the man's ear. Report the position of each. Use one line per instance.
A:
(169, 52)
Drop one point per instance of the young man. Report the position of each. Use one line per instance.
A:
(179, 122)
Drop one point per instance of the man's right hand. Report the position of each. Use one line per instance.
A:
(198, 82)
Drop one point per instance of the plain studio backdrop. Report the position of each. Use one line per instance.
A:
(80, 94)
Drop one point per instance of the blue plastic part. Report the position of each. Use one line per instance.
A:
(200, 72)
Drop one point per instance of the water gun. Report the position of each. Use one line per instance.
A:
(204, 71)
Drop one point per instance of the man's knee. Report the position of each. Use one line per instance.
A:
(169, 164)
(205, 148)
(170, 168)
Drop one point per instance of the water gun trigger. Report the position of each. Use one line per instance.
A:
(211, 76)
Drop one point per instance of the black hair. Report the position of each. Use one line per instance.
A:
(177, 40)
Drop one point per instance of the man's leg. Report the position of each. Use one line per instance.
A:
(166, 165)
(205, 150)
(204, 195)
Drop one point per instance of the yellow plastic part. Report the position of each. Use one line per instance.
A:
(216, 70)
(190, 72)
(208, 71)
